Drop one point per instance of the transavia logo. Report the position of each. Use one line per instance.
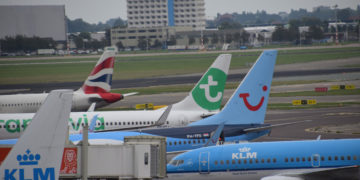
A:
(208, 93)
(29, 161)
(253, 107)
(19, 125)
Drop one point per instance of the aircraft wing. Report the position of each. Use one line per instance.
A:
(266, 127)
(349, 173)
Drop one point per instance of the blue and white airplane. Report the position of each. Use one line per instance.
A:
(243, 116)
(286, 160)
(38, 152)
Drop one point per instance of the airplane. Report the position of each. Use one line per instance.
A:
(204, 100)
(283, 160)
(242, 117)
(96, 89)
(38, 152)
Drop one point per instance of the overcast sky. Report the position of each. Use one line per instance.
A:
(94, 11)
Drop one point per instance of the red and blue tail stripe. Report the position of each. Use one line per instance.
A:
(100, 79)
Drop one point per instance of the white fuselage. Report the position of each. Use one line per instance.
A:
(30, 103)
(12, 125)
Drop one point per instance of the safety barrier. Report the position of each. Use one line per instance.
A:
(303, 102)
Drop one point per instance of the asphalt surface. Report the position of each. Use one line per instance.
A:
(348, 116)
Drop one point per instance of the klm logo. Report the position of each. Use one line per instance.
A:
(244, 153)
(27, 161)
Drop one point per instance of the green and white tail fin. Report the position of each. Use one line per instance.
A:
(208, 92)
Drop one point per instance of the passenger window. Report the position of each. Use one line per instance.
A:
(303, 159)
(189, 142)
(262, 161)
(309, 159)
(286, 160)
(194, 142)
(297, 159)
(342, 158)
(268, 160)
(184, 142)
(336, 158)
(349, 158)
(216, 163)
(239, 161)
(170, 143)
(274, 160)
(227, 162)
(354, 157)
(292, 159)
(250, 161)
(322, 158)
(179, 142)
(257, 161)
(221, 162)
(329, 158)
(174, 143)
(245, 161)
(233, 161)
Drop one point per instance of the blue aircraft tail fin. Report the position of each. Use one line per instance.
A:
(248, 103)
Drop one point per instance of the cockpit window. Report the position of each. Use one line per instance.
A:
(176, 162)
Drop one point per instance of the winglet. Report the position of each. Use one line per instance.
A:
(92, 107)
(215, 137)
(93, 123)
(164, 116)
(39, 150)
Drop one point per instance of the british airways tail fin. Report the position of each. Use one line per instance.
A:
(248, 103)
(38, 152)
(100, 78)
(208, 92)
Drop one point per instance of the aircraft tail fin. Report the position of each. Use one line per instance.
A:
(39, 150)
(208, 92)
(248, 103)
(100, 78)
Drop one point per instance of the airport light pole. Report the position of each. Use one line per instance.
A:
(336, 28)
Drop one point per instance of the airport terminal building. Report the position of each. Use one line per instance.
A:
(155, 13)
(41, 21)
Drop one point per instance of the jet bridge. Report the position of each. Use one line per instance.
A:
(140, 157)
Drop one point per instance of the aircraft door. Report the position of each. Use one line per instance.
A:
(315, 160)
(204, 162)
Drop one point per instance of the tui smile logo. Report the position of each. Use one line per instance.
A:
(256, 107)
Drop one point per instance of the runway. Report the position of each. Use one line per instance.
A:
(287, 71)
